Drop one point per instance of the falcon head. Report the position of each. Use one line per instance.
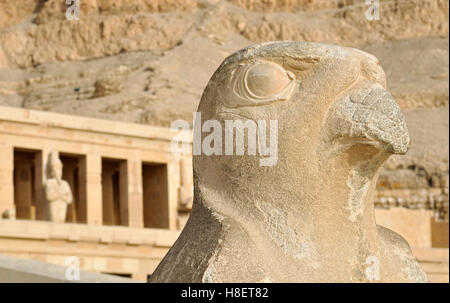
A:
(326, 99)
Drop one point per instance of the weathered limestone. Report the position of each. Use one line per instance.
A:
(57, 191)
(15, 270)
(186, 190)
(310, 217)
(434, 261)
(105, 249)
(94, 188)
(6, 180)
(139, 155)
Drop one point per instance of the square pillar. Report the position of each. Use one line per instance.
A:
(41, 161)
(110, 214)
(74, 172)
(135, 193)
(93, 189)
(6, 178)
(173, 184)
(124, 193)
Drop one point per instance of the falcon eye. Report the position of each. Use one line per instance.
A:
(266, 79)
(260, 83)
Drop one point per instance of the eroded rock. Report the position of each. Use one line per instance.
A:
(310, 217)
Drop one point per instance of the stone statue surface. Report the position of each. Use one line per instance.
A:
(310, 217)
(57, 191)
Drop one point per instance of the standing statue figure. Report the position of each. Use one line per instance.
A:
(57, 191)
(308, 216)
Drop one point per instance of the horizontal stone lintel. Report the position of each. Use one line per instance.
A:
(44, 230)
(63, 121)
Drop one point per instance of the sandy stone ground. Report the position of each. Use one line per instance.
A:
(148, 61)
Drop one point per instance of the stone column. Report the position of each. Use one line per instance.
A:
(109, 215)
(69, 168)
(124, 193)
(40, 163)
(94, 189)
(173, 184)
(6, 178)
(186, 192)
(135, 193)
(82, 198)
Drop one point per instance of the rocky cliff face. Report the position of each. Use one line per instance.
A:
(147, 61)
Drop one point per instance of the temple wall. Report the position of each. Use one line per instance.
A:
(103, 164)
(133, 252)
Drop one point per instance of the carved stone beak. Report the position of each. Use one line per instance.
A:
(370, 114)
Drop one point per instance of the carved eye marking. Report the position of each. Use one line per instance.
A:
(266, 79)
(260, 83)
